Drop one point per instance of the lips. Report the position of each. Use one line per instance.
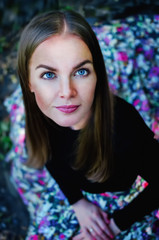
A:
(68, 108)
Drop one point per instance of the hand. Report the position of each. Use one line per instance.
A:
(114, 227)
(93, 221)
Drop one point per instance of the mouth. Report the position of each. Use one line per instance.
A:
(68, 108)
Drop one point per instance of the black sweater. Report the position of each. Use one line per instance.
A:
(136, 152)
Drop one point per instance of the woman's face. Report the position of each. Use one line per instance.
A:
(63, 79)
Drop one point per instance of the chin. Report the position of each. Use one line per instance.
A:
(64, 124)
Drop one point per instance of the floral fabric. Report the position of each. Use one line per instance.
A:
(131, 52)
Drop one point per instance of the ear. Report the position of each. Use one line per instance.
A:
(30, 87)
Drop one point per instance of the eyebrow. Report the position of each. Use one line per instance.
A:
(54, 69)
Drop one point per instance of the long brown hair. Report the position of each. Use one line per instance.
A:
(95, 140)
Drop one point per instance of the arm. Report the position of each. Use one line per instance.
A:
(148, 200)
(142, 156)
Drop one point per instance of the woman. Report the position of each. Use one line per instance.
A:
(95, 146)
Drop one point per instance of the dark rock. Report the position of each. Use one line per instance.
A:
(14, 218)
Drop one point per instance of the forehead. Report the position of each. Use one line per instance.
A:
(59, 45)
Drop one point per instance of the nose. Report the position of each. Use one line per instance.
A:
(67, 89)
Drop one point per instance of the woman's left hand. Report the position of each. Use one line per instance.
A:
(93, 221)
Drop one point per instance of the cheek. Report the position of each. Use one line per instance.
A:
(44, 95)
(42, 100)
(89, 93)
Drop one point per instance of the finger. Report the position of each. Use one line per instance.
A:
(78, 237)
(84, 234)
(105, 217)
(103, 223)
(88, 235)
(98, 233)
(101, 238)
(104, 229)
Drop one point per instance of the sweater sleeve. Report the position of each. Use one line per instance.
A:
(67, 179)
(144, 204)
(146, 159)
(62, 143)
(148, 200)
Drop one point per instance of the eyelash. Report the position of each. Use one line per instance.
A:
(80, 70)
(53, 76)
(46, 78)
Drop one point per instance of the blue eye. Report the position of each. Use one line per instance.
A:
(48, 75)
(82, 72)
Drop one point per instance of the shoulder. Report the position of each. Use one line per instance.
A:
(122, 106)
(124, 111)
(128, 119)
